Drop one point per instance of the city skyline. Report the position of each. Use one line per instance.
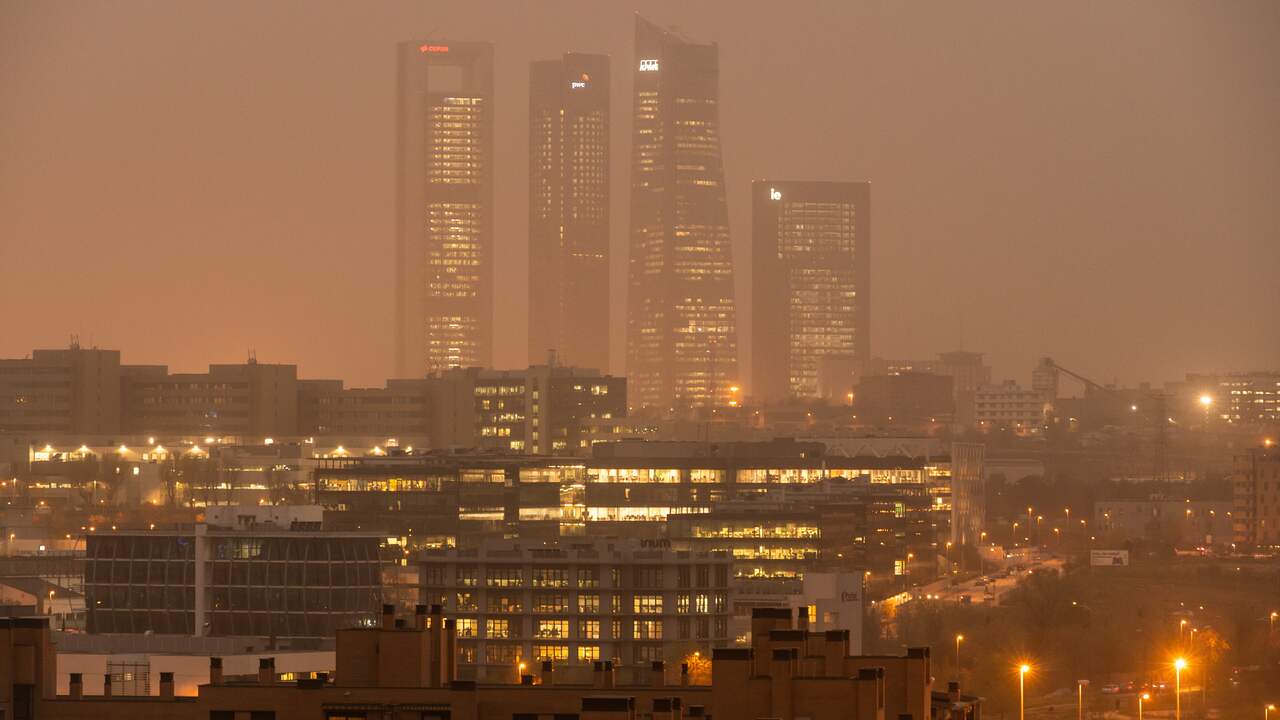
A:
(921, 227)
(488, 360)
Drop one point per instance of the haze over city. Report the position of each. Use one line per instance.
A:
(568, 360)
(1092, 183)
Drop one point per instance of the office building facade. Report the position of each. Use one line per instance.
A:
(633, 602)
(540, 410)
(444, 206)
(266, 571)
(682, 348)
(245, 400)
(397, 410)
(1256, 498)
(72, 390)
(569, 210)
(810, 283)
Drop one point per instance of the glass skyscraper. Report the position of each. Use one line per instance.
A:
(444, 206)
(810, 286)
(682, 343)
(569, 210)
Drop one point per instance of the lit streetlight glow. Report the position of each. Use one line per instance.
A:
(1023, 669)
(1178, 666)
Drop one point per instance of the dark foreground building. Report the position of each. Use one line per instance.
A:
(405, 669)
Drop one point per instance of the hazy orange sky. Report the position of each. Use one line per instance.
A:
(1099, 182)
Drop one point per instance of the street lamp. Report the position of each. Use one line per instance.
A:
(1080, 698)
(1274, 615)
(959, 638)
(1178, 665)
(1266, 712)
(1143, 696)
(1023, 669)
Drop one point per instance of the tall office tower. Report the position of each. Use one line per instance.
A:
(569, 210)
(682, 346)
(810, 283)
(444, 206)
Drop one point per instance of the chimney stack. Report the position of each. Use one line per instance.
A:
(419, 617)
(388, 616)
(953, 691)
(215, 671)
(684, 674)
(802, 618)
(267, 671)
(608, 674)
(166, 686)
(435, 646)
(547, 673)
(450, 650)
(836, 649)
(657, 674)
(106, 685)
(77, 686)
(597, 674)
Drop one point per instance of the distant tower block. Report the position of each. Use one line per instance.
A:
(444, 206)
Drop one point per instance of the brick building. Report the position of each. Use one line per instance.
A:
(406, 670)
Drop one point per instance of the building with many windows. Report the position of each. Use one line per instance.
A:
(397, 410)
(569, 209)
(810, 283)
(1256, 498)
(250, 399)
(72, 390)
(577, 603)
(1245, 398)
(543, 410)
(406, 668)
(444, 206)
(266, 571)
(682, 342)
(1008, 406)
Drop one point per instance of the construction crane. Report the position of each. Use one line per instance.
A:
(1157, 414)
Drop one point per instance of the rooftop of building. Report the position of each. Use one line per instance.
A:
(636, 549)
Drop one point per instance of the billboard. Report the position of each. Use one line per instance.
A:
(1109, 558)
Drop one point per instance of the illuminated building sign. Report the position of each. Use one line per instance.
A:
(433, 48)
(577, 84)
(775, 194)
(649, 65)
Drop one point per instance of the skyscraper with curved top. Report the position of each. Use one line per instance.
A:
(682, 347)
